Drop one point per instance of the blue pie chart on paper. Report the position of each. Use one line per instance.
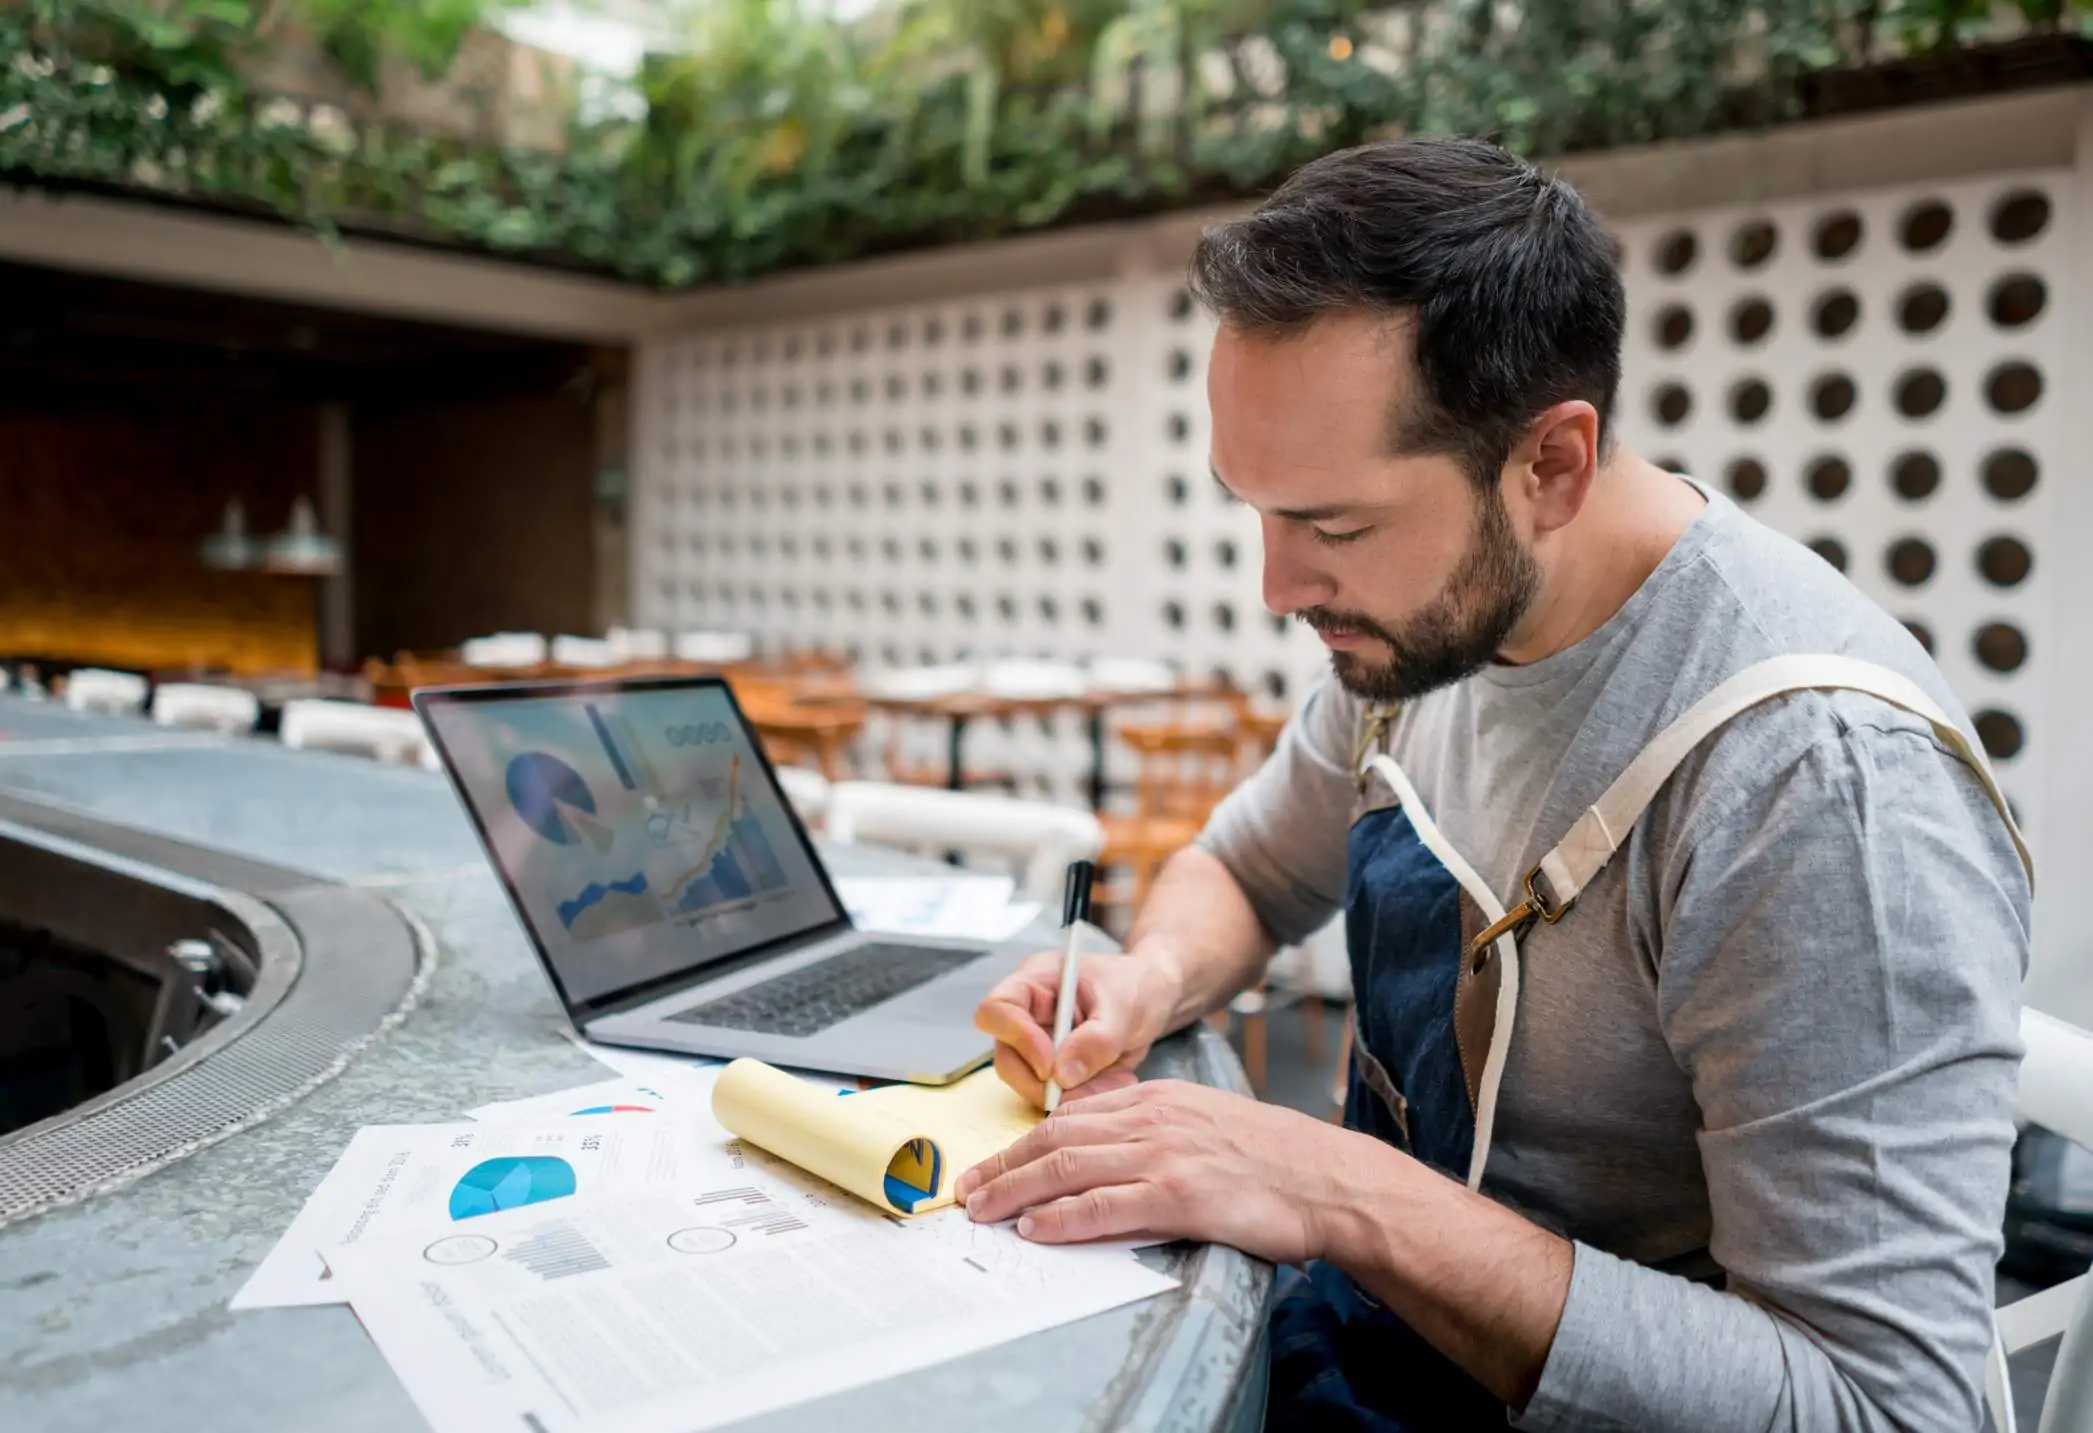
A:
(547, 793)
(510, 1183)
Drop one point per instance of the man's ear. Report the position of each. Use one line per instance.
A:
(1553, 467)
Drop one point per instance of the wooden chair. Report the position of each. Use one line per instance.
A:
(796, 733)
(1188, 757)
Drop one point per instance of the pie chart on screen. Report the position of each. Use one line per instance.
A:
(553, 800)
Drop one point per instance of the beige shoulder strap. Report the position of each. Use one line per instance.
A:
(1598, 833)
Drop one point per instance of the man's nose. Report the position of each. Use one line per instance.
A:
(1292, 579)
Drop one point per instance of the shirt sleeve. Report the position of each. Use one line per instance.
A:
(1839, 974)
(1283, 833)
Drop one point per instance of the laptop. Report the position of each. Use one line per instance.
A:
(671, 892)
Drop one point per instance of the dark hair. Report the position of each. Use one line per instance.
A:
(1510, 281)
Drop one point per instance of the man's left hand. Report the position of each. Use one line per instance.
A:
(1169, 1160)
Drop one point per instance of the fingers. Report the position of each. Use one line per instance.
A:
(1091, 1048)
(1017, 1011)
(1118, 1077)
(1049, 1134)
(1065, 1172)
(1014, 1072)
(1116, 1211)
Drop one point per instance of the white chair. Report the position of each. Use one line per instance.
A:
(1130, 675)
(920, 684)
(2056, 1092)
(384, 733)
(714, 646)
(1030, 680)
(1039, 838)
(198, 705)
(583, 652)
(808, 791)
(637, 644)
(504, 649)
(95, 689)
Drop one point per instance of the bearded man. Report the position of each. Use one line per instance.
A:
(1686, 922)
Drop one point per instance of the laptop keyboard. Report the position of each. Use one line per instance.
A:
(828, 992)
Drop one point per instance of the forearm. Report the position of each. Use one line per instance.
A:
(1481, 1284)
(1202, 935)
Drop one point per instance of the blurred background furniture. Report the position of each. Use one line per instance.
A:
(96, 689)
(1036, 839)
(2056, 1093)
(229, 710)
(378, 732)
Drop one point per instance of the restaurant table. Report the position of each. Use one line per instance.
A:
(958, 710)
(115, 1306)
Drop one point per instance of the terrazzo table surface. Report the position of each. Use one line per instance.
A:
(113, 1311)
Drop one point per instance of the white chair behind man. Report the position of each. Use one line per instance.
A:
(95, 689)
(2056, 1092)
(1037, 838)
(200, 706)
(384, 733)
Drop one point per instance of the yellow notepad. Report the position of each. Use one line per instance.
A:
(901, 1148)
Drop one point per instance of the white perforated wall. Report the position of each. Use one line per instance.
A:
(1017, 476)
(1877, 374)
(1025, 474)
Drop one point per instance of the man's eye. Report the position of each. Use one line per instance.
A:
(1338, 539)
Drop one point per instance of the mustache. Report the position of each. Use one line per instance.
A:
(1323, 619)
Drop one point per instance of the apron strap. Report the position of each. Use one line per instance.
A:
(1383, 765)
(1554, 884)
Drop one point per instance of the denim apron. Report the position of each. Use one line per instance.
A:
(1435, 959)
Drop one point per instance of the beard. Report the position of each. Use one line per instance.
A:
(1453, 636)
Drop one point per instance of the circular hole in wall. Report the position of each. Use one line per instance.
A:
(1750, 400)
(1673, 327)
(2013, 387)
(2009, 474)
(2001, 646)
(2001, 733)
(1922, 308)
(1837, 235)
(2016, 300)
(1746, 478)
(1753, 243)
(1919, 392)
(1910, 561)
(1832, 397)
(1670, 403)
(1675, 252)
(1835, 313)
(1925, 226)
(1828, 477)
(2020, 216)
(1751, 319)
(2005, 561)
(1915, 476)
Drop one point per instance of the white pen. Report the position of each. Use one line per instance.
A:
(1075, 910)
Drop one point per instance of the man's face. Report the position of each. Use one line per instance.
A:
(1411, 575)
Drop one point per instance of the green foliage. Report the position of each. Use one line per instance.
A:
(775, 137)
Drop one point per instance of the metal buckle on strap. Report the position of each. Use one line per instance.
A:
(1540, 905)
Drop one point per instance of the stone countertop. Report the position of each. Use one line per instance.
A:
(115, 1310)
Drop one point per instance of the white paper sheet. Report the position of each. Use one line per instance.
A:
(672, 1313)
(962, 907)
(433, 1179)
(607, 1099)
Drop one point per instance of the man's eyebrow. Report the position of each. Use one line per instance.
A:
(1315, 514)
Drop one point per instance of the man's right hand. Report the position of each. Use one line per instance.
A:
(1123, 1005)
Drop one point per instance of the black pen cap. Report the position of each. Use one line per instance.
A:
(1075, 898)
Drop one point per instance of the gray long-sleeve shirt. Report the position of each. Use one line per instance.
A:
(1763, 1074)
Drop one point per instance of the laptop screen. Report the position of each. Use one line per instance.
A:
(638, 829)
